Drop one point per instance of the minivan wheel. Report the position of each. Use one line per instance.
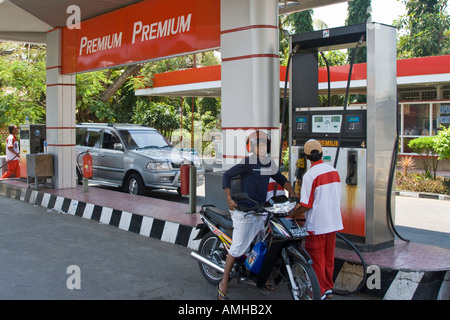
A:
(135, 185)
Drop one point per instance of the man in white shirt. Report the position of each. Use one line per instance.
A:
(320, 202)
(12, 154)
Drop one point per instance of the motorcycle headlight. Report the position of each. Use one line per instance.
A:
(281, 208)
(158, 166)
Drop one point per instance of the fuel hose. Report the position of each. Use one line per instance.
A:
(9, 161)
(283, 115)
(294, 51)
(347, 93)
(391, 183)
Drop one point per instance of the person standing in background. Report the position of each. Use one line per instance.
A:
(12, 153)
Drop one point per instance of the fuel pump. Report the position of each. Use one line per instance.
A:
(358, 139)
(324, 125)
(32, 137)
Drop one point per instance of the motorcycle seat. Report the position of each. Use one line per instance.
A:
(220, 217)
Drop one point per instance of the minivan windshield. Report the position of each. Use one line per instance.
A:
(142, 139)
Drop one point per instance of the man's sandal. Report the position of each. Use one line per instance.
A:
(222, 296)
(269, 286)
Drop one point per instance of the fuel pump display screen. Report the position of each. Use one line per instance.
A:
(301, 123)
(25, 134)
(326, 123)
(354, 123)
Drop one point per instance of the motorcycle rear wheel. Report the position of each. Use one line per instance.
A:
(306, 280)
(212, 248)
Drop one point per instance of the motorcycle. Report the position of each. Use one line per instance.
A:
(279, 256)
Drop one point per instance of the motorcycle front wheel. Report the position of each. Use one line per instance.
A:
(306, 280)
(212, 249)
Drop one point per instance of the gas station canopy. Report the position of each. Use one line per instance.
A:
(28, 21)
(206, 81)
(55, 24)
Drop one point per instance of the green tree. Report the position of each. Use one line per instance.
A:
(442, 143)
(358, 12)
(89, 107)
(201, 105)
(334, 58)
(424, 29)
(426, 145)
(300, 21)
(209, 109)
(157, 115)
(109, 95)
(101, 96)
(22, 83)
(293, 23)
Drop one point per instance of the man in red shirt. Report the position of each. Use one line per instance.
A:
(12, 153)
(320, 201)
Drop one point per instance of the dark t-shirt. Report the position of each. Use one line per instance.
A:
(255, 174)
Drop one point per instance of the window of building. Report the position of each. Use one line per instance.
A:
(420, 119)
(443, 118)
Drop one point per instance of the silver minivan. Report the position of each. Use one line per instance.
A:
(133, 157)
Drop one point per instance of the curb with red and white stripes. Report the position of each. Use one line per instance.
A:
(393, 284)
(143, 225)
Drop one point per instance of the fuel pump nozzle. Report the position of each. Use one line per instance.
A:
(352, 168)
(300, 167)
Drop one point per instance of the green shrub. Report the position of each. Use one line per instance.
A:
(285, 159)
(421, 182)
(425, 145)
(442, 143)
